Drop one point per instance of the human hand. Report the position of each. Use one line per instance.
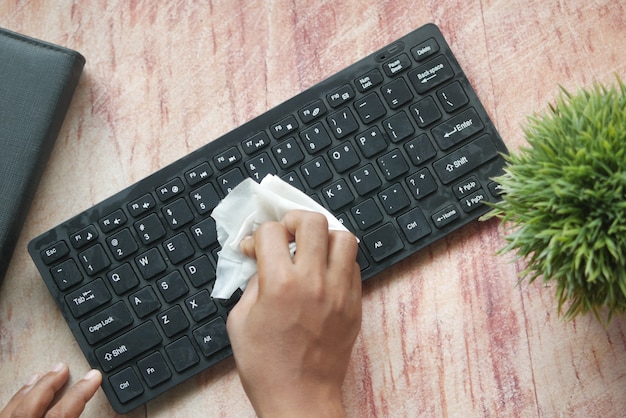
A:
(293, 329)
(34, 398)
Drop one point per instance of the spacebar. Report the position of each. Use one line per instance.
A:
(127, 346)
(465, 159)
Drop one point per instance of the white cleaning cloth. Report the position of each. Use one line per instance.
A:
(246, 207)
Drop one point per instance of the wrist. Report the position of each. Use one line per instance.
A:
(322, 402)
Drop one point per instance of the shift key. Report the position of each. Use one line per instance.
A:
(128, 346)
(465, 159)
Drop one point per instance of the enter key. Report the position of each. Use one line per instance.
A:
(457, 129)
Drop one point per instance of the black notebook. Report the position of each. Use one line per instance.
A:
(37, 81)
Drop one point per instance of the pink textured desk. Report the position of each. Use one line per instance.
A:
(447, 332)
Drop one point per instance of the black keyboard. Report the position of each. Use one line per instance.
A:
(397, 146)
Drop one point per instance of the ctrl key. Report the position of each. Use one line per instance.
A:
(126, 385)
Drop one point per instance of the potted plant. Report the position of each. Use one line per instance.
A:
(564, 200)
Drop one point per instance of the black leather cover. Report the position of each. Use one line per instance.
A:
(37, 81)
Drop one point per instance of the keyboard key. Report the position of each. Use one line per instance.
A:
(87, 298)
(113, 221)
(84, 237)
(123, 278)
(204, 233)
(227, 158)
(198, 174)
(172, 286)
(414, 225)
(144, 302)
(370, 108)
(422, 183)
(200, 271)
(371, 142)
(122, 244)
(106, 323)
(315, 138)
(205, 198)
(393, 164)
(342, 123)
(425, 49)
(128, 346)
(257, 142)
(457, 129)
(154, 370)
(200, 305)
(366, 214)
(383, 242)
(126, 385)
(288, 153)
(182, 354)
(337, 195)
(173, 321)
(150, 263)
(396, 93)
(394, 199)
(229, 180)
(368, 80)
(420, 149)
(425, 112)
(398, 127)
(54, 252)
(316, 172)
(445, 216)
(178, 248)
(400, 63)
(473, 201)
(465, 159)
(343, 157)
(452, 97)
(365, 180)
(94, 259)
(150, 228)
(340, 96)
(260, 166)
(431, 74)
(212, 337)
(66, 274)
(465, 187)
(312, 111)
(177, 214)
(141, 205)
(284, 127)
(170, 189)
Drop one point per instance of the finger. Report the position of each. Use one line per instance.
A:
(342, 252)
(38, 399)
(246, 246)
(240, 311)
(310, 230)
(17, 398)
(73, 402)
(271, 247)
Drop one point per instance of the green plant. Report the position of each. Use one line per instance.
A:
(564, 200)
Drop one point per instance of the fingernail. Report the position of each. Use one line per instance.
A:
(91, 374)
(58, 367)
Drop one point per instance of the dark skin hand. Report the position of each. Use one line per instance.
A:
(35, 398)
(293, 330)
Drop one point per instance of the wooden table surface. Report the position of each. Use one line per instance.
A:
(447, 332)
